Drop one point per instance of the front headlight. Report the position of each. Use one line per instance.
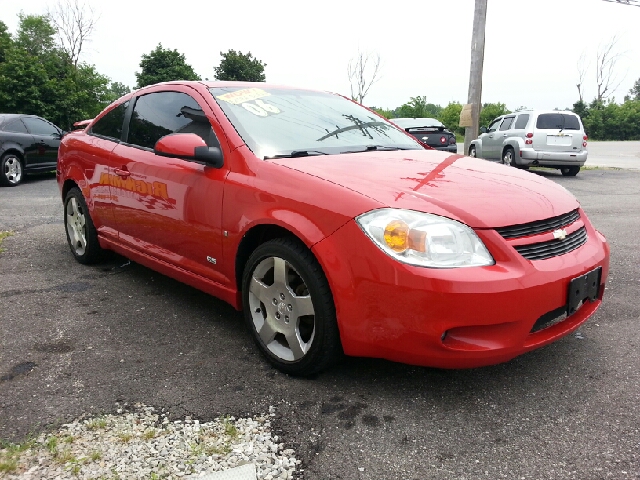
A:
(424, 239)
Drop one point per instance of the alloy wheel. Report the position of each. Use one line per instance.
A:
(281, 309)
(76, 226)
(13, 170)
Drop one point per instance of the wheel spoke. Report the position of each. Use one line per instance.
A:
(279, 271)
(304, 306)
(295, 344)
(267, 333)
(260, 290)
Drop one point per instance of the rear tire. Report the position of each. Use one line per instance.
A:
(569, 171)
(289, 309)
(81, 233)
(509, 157)
(11, 170)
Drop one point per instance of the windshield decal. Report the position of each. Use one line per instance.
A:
(244, 95)
(261, 108)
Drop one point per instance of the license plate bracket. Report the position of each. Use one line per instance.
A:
(582, 288)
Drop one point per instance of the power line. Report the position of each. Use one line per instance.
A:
(633, 3)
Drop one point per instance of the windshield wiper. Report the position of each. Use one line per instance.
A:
(296, 154)
(375, 148)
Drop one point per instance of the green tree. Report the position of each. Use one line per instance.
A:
(237, 66)
(634, 93)
(490, 111)
(117, 90)
(164, 65)
(5, 40)
(38, 78)
(385, 113)
(450, 116)
(417, 107)
(35, 34)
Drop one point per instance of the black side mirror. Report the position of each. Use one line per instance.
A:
(212, 156)
(483, 129)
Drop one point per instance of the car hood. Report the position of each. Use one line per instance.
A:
(479, 193)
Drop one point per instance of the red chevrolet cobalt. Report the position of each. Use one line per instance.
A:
(332, 229)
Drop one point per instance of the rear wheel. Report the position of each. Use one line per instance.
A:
(508, 157)
(569, 171)
(472, 151)
(289, 308)
(10, 170)
(81, 234)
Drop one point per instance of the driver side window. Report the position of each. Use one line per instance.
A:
(494, 125)
(158, 114)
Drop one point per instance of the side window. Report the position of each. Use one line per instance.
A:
(494, 125)
(15, 127)
(110, 125)
(522, 121)
(506, 123)
(38, 126)
(158, 114)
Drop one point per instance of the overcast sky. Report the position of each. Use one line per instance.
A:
(531, 53)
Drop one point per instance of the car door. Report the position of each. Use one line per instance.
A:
(503, 133)
(47, 141)
(169, 208)
(15, 134)
(104, 135)
(492, 141)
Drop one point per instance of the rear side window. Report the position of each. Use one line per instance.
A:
(551, 121)
(38, 126)
(158, 114)
(506, 123)
(15, 127)
(522, 121)
(110, 125)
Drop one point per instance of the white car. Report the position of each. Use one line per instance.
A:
(553, 139)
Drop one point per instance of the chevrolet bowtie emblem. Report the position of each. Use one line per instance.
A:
(560, 234)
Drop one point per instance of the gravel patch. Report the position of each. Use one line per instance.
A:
(144, 443)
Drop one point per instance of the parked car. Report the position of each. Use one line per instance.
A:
(553, 139)
(331, 229)
(429, 131)
(28, 144)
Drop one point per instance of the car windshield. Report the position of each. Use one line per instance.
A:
(277, 122)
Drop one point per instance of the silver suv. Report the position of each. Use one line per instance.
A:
(553, 139)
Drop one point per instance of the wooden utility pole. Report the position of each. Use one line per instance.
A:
(475, 74)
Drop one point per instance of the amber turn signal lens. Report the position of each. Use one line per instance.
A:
(396, 236)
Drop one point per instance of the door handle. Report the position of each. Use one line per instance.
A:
(122, 173)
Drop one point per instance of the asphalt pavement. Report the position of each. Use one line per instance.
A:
(75, 340)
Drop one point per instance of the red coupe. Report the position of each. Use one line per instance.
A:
(334, 231)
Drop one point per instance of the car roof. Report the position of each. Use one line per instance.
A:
(7, 117)
(416, 122)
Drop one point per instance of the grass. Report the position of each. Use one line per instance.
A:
(10, 454)
(125, 437)
(3, 235)
(149, 434)
(97, 423)
(229, 428)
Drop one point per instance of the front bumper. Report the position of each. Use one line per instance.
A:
(529, 156)
(453, 318)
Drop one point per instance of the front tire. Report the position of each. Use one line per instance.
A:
(289, 308)
(569, 171)
(81, 233)
(472, 151)
(11, 170)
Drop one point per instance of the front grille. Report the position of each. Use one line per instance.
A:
(553, 248)
(540, 226)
